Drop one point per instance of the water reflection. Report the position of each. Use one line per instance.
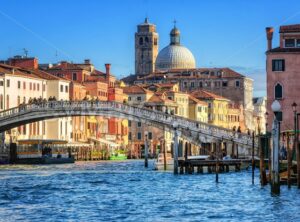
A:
(125, 191)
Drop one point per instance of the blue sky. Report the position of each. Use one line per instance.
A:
(219, 33)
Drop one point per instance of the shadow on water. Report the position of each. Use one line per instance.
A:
(126, 191)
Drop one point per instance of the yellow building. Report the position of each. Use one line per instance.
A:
(182, 101)
(198, 110)
(217, 107)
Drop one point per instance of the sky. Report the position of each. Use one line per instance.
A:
(219, 33)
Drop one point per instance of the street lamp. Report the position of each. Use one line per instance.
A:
(275, 180)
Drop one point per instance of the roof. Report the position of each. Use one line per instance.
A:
(33, 73)
(129, 79)
(203, 94)
(135, 90)
(195, 100)
(289, 28)
(159, 99)
(279, 50)
(197, 73)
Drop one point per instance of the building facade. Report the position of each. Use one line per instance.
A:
(283, 73)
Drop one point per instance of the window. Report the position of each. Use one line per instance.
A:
(146, 40)
(139, 98)
(1, 83)
(155, 41)
(278, 91)
(224, 84)
(24, 85)
(66, 89)
(141, 41)
(150, 135)
(18, 100)
(139, 136)
(38, 86)
(200, 84)
(192, 84)
(199, 108)
(19, 84)
(74, 76)
(61, 88)
(298, 43)
(8, 83)
(30, 86)
(129, 136)
(139, 124)
(7, 101)
(289, 42)
(33, 86)
(237, 83)
(278, 65)
(129, 123)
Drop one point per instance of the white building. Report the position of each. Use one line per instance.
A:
(18, 85)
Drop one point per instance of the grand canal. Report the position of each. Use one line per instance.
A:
(125, 191)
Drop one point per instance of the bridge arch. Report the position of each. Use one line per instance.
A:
(193, 131)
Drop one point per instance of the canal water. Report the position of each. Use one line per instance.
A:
(125, 191)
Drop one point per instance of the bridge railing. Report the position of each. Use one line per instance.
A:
(139, 112)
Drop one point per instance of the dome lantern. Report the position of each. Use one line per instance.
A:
(175, 35)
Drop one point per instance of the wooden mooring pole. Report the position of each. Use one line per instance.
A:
(263, 177)
(175, 148)
(165, 154)
(146, 149)
(289, 160)
(218, 147)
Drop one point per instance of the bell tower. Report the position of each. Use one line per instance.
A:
(146, 48)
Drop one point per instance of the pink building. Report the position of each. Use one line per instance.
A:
(283, 73)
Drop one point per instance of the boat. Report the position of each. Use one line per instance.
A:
(41, 151)
(159, 163)
(118, 156)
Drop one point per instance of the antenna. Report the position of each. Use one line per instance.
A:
(25, 52)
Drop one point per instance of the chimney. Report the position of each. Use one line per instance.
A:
(107, 67)
(87, 61)
(269, 32)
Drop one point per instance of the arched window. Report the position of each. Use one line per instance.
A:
(146, 40)
(278, 91)
(141, 41)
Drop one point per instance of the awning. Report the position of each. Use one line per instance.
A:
(42, 141)
(104, 141)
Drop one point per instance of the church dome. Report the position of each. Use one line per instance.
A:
(175, 56)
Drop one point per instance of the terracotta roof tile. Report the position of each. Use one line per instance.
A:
(203, 94)
(135, 90)
(197, 100)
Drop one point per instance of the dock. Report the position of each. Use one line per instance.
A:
(188, 165)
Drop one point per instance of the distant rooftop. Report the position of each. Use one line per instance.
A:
(289, 28)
